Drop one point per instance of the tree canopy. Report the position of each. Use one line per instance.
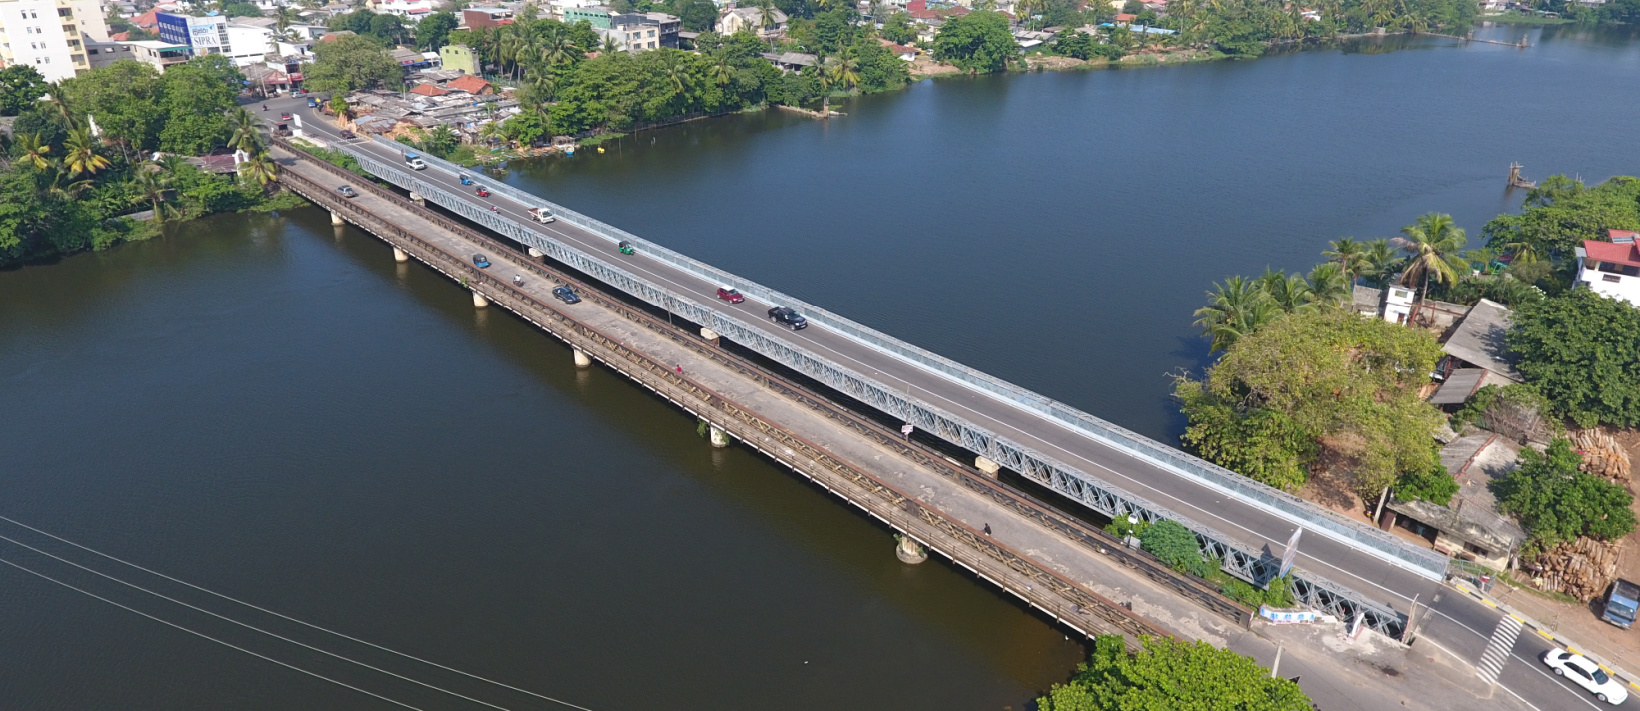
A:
(141, 110)
(1557, 502)
(1560, 213)
(350, 63)
(1326, 377)
(20, 87)
(977, 42)
(1169, 675)
(433, 31)
(1582, 351)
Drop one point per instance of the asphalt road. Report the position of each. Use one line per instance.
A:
(1458, 624)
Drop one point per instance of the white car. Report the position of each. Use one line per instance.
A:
(1587, 674)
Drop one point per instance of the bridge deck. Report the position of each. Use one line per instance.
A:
(1247, 525)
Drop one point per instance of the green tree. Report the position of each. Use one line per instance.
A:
(1176, 546)
(433, 31)
(897, 29)
(1434, 485)
(1234, 309)
(697, 15)
(80, 154)
(1560, 214)
(1327, 377)
(350, 63)
(196, 98)
(1350, 255)
(1290, 293)
(1432, 245)
(125, 99)
(1328, 284)
(1582, 351)
(1169, 674)
(259, 169)
(977, 42)
(20, 87)
(389, 29)
(1557, 502)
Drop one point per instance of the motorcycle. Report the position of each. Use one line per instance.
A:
(518, 280)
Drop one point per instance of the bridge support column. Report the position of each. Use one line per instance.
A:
(719, 437)
(536, 253)
(336, 218)
(418, 198)
(710, 335)
(479, 301)
(989, 467)
(581, 359)
(909, 551)
(400, 255)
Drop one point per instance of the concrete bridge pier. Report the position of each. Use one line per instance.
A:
(479, 301)
(718, 436)
(710, 335)
(536, 253)
(418, 198)
(581, 359)
(909, 551)
(400, 255)
(336, 218)
(989, 467)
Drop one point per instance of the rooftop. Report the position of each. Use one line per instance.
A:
(428, 90)
(1616, 251)
(467, 83)
(1478, 339)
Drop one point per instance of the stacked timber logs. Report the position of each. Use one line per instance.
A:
(1602, 455)
(1582, 568)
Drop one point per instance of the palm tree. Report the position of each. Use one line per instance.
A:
(260, 167)
(33, 151)
(1383, 260)
(1328, 284)
(1350, 255)
(491, 131)
(55, 105)
(722, 68)
(151, 183)
(765, 13)
(247, 135)
(1523, 251)
(609, 46)
(845, 68)
(1237, 307)
(1290, 293)
(80, 154)
(555, 46)
(1432, 244)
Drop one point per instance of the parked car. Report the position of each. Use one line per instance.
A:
(1586, 674)
(566, 295)
(788, 317)
(347, 191)
(482, 192)
(728, 293)
(284, 116)
(348, 134)
(465, 179)
(481, 261)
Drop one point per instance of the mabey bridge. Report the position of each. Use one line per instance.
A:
(1342, 567)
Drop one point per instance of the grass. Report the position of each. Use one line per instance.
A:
(1510, 580)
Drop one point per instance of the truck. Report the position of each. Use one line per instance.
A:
(1621, 603)
(414, 161)
(541, 214)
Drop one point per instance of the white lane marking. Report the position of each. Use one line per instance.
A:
(582, 242)
(1498, 650)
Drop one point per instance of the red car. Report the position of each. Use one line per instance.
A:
(482, 192)
(284, 116)
(728, 293)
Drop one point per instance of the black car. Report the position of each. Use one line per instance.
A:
(566, 295)
(347, 191)
(348, 134)
(788, 318)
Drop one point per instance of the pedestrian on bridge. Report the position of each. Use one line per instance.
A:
(680, 370)
(987, 529)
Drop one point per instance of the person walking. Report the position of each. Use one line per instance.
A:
(987, 529)
(680, 370)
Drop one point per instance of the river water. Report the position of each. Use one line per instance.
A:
(270, 407)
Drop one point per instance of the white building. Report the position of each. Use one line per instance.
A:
(44, 34)
(414, 9)
(1611, 268)
(88, 17)
(249, 43)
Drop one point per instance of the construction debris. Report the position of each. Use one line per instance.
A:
(1602, 455)
(1583, 568)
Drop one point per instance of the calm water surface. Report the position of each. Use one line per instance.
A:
(274, 409)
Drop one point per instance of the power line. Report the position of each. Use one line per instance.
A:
(206, 636)
(275, 614)
(251, 627)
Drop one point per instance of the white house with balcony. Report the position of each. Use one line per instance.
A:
(1611, 268)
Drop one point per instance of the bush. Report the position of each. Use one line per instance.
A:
(1170, 674)
(1434, 485)
(1556, 501)
(1176, 546)
(1582, 351)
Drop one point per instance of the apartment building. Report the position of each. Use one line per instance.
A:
(43, 34)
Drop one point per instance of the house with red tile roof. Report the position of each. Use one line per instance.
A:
(1611, 268)
(148, 20)
(429, 90)
(470, 84)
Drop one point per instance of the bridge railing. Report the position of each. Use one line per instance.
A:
(1238, 558)
(1286, 506)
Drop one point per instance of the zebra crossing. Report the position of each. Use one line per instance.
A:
(1497, 650)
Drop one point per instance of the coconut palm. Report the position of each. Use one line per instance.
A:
(246, 127)
(722, 67)
(1328, 284)
(765, 13)
(1290, 293)
(33, 151)
(845, 68)
(80, 154)
(260, 168)
(1236, 308)
(151, 183)
(1383, 260)
(492, 132)
(1432, 244)
(1350, 255)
